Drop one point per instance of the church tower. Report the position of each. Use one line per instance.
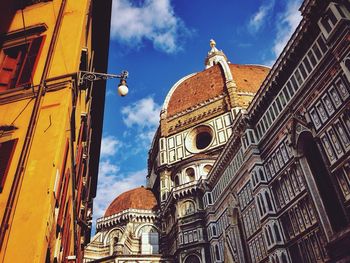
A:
(196, 122)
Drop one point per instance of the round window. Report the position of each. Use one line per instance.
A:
(203, 139)
(199, 138)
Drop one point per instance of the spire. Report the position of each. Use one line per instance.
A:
(214, 55)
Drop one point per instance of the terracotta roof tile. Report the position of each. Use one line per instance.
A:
(248, 77)
(138, 198)
(198, 88)
(211, 83)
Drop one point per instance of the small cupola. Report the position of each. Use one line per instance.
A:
(214, 55)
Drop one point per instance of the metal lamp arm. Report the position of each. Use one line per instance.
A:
(93, 76)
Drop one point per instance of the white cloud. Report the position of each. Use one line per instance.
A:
(259, 18)
(153, 20)
(143, 113)
(287, 22)
(110, 185)
(109, 146)
(143, 118)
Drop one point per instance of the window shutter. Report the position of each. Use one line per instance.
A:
(62, 203)
(29, 62)
(63, 170)
(8, 70)
(6, 153)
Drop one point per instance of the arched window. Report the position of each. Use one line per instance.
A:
(163, 196)
(268, 200)
(261, 173)
(277, 232)
(255, 178)
(267, 238)
(217, 252)
(177, 181)
(190, 174)
(284, 258)
(262, 203)
(271, 236)
(188, 208)
(259, 205)
(323, 181)
(214, 230)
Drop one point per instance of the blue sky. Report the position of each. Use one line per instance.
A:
(161, 41)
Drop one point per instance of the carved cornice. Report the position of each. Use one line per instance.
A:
(135, 215)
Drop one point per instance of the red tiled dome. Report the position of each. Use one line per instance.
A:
(138, 198)
(248, 77)
(211, 83)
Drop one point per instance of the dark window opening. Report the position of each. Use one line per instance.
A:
(177, 181)
(48, 255)
(21, 4)
(18, 64)
(278, 235)
(271, 236)
(203, 139)
(217, 253)
(84, 60)
(268, 200)
(262, 177)
(191, 174)
(6, 152)
(214, 231)
(209, 199)
(192, 259)
(324, 183)
(284, 258)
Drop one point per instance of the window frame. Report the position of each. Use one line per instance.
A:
(8, 162)
(34, 43)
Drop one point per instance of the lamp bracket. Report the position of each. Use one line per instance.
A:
(93, 76)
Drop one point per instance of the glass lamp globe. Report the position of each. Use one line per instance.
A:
(123, 90)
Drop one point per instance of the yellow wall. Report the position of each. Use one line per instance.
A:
(32, 227)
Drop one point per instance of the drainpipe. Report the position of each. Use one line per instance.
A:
(18, 178)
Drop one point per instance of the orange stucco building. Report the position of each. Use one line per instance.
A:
(49, 125)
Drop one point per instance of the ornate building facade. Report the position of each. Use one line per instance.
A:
(50, 125)
(252, 164)
(128, 231)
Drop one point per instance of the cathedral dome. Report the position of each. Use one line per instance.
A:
(210, 83)
(138, 198)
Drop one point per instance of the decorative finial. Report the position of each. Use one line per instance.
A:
(212, 43)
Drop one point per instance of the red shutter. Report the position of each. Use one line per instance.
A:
(63, 198)
(80, 187)
(6, 153)
(66, 234)
(19, 64)
(8, 69)
(63, 169)
(29, 62)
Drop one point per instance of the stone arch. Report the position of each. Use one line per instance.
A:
(117, 231)
(311, 153)
(192, 258)
(140, 228)
(187, 207)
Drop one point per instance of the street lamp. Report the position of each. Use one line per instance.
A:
(92, 76)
